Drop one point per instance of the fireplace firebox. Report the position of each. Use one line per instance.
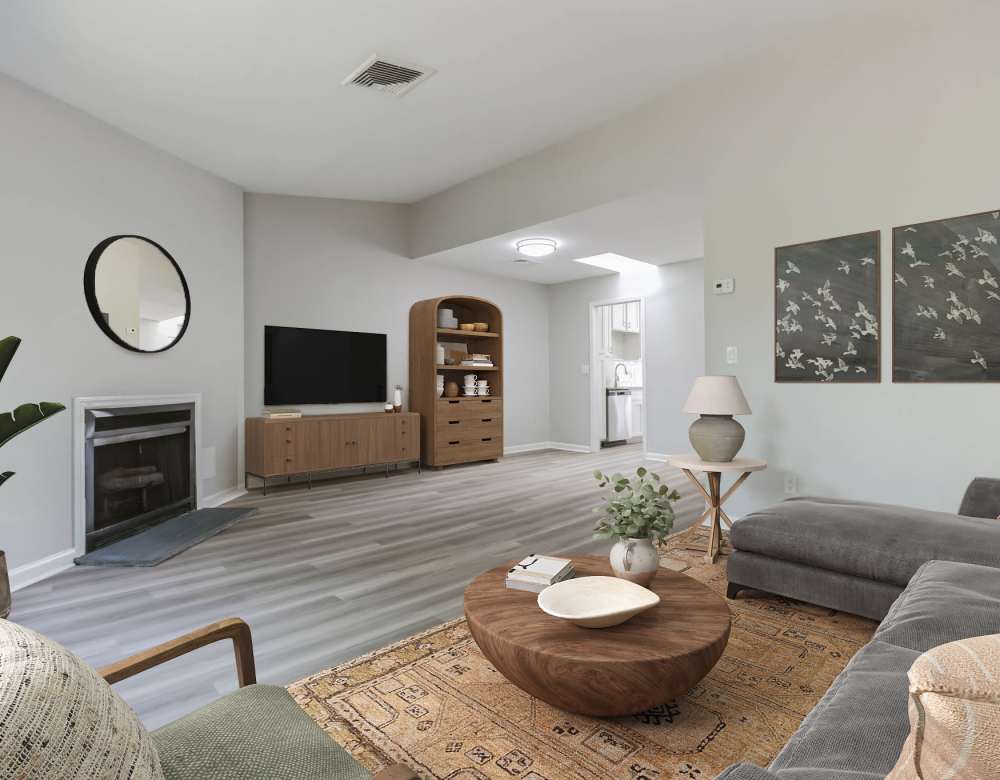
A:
(140, 469)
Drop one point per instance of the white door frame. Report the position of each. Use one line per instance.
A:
(596, 383)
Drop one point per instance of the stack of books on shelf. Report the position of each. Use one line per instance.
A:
(478, 361)
(536, 572)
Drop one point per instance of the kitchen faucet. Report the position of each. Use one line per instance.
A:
(617, 366)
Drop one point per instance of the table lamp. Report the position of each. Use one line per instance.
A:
(715, 435)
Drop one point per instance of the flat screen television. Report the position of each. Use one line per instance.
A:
(309, 366)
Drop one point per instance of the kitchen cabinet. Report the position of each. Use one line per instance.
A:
(637, 401)
(625, 316)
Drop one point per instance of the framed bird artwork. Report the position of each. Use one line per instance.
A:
(946, 300)
(827, 310)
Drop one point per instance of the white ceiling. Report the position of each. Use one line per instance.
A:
(653, 228)
(250, 89)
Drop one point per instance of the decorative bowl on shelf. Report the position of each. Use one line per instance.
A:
(482, 327)
(467, 326)
(596, 602)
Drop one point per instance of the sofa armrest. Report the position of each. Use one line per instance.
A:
(231, 628)
(396, 772)
(746, 772)
(982, 498)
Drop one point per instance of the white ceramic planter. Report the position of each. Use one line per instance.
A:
(635, 560)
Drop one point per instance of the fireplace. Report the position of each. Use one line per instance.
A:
(139, 468)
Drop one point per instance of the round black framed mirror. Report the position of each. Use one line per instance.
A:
(137, 293)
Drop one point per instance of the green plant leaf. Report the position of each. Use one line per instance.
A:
(641, 471)
(8, 347)
(5, 476)
(25, 416)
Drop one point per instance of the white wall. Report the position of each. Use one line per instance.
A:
(342, 265)
(68, 181)
(867, 123)
(675, 350)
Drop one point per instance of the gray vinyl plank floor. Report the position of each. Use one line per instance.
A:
(326, 574)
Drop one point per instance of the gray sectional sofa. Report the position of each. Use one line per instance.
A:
(857, 729)
(931, 577)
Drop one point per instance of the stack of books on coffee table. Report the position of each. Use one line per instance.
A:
(536, 572)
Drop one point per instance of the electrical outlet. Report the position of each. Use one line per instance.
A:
(791, 484)
(732, 355)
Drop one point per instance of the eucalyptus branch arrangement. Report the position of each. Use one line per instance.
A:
(26, 415)
(637, 508)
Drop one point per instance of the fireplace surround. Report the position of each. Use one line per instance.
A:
(135, 464)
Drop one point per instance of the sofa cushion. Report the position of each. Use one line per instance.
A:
(255, 732)
(61, 719)
(944, 601)
(982, 498)
(858, 728)
(954, 712)
(874, 541)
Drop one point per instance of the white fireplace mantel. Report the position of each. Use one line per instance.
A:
(80, 407)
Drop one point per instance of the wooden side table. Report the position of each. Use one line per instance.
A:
(714, 497)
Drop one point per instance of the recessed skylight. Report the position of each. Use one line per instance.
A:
(618, 263)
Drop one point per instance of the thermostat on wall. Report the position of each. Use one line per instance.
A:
(723, 286)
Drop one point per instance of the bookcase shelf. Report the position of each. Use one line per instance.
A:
(468, 428)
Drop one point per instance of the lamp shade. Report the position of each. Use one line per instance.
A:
(716, 395)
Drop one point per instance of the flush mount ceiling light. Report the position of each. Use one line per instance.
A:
(536, 247)
(618, 263)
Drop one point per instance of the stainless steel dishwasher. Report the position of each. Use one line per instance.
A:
(619, 416)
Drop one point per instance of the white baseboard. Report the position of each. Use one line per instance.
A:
(659, 457)
(220, 498)
(35, 571)
(544, 445)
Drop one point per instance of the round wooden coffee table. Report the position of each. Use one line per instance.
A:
(601, 672)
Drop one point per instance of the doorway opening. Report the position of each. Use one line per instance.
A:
(617, 373)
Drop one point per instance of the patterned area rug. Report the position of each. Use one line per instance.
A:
(434, 703)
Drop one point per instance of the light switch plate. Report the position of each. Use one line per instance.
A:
(732, 355)
(724, 286)
(585, 369)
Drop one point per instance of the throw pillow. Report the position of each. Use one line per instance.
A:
(954, 710)
(61, 720)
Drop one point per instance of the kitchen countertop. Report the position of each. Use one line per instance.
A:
(625, 387)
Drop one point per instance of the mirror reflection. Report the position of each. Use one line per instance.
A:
(137, 294)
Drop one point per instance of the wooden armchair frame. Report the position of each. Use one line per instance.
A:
(230, 628)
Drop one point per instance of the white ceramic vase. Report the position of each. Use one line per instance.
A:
(635, 560)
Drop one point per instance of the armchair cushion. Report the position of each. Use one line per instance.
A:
(61, 720)
(255, 732)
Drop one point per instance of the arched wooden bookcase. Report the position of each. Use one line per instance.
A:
(463, 429)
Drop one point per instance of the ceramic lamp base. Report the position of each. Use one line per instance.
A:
(716, 437)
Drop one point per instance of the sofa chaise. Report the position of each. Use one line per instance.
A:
(857, 557)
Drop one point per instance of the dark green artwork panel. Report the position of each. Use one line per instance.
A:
(826, 310)
(946, 300)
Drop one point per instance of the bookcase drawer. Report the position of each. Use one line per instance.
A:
(470, 448)
(467, 431)
(469, 408)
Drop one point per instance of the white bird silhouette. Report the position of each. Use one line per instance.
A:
(807, 297)
(959, 252)
(910, 229)
(972, 314)
(845, 267)
(918, 263)
(928, 281)
(901, 280)
(828, 339)
(985, 237)
(926, 311)
(956, 315)
(993, 295)
(939, 334)
(841, 366)
(795, 359)
(792, 307)
(789, 324)
(851, 349)
(860, 370)
(978, 360)
(908, 250)
(988, 278)
(778, 351)
(953, 299)
(867, 261)
(791, 268)
(863, 312)
(978, 251)
(782, 285)
(953, 270)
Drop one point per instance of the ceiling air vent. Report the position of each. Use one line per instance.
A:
(395, 78)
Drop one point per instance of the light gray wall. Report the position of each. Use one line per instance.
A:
(675, 350)
(68, 181)
(864, 124)
(342, 265)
